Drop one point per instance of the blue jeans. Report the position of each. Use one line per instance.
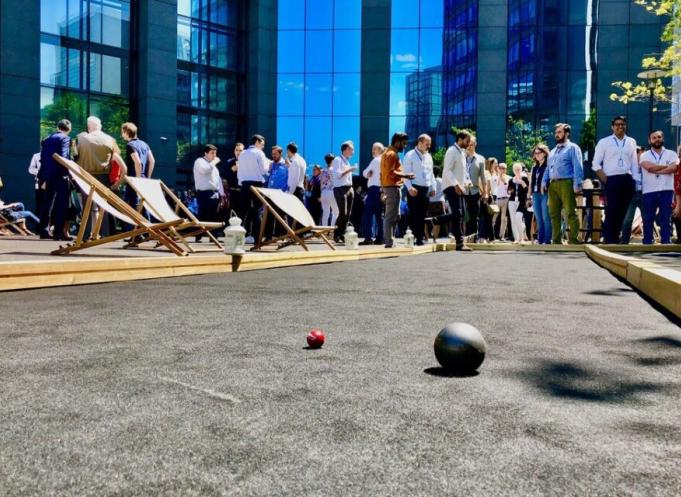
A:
(373, 208)
(650, 203)
(540, 206)
(629, 217)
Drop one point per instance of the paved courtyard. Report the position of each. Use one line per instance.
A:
(202, 385)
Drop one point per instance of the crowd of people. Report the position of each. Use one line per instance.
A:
(467, 198)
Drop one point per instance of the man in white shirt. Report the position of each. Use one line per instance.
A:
(208, 185)
(616, 165)
(253, 165)
(419, 162)
(475, 168)
(296, 171)
(33, 169)
(373, 207)
(454, 184)
(659, 166)
(342, 188)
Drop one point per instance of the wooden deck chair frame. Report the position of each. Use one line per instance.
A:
(293, 234)
(12, 225)
(190, 224)
(141, 224)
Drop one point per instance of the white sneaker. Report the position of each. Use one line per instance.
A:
(249, 240)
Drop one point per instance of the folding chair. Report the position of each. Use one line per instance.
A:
(153, 192)
(109, 203)
(293, 207)
(5, 223)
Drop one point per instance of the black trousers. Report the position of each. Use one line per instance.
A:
(250, 206)
(418, 209)
(473, 210)
(618, 193)
(344, 196)
(457, 205)
(55, 200)
(314, 205)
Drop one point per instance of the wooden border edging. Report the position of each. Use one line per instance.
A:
(663, 285)
(61, 271)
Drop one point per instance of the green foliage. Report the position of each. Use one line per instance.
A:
(113, 111)
(668, 61)
(521, 138)
(454, 130)
(587, 137)
(439, 156)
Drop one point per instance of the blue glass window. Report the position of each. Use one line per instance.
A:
(347, 51)
(346, 94)
(291, 52)
(318, 94)
(290, 94)
(291, 14)
(318, 51)
(404, 50)
(405, 13)
(318, 139)
(319, 14)
(347, 15)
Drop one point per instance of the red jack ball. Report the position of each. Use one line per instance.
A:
(315, 339)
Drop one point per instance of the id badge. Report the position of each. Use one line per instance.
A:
(621, 163)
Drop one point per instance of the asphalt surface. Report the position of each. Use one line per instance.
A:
(202, 385)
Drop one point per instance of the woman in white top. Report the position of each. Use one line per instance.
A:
(500, 189)
(486, 229)
(329, 205)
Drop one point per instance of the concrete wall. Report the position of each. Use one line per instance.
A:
(19, 96)
(157, 83)
(375, 85)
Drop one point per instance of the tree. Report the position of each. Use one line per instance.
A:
(667, 62)
(521, 139)
(587, 137)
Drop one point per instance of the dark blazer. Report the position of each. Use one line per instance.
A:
(57, 143)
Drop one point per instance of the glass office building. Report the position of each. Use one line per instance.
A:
(314, 72)
(86, 63)
(318, 75)
(210, 76)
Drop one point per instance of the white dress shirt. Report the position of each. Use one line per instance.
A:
(454, 171)
(615, 156)
(339, 165)
(296, 173)
(499, 188)
(421, 164)
(253, 165)
(206, 176)
(373, 172)
(659, 182)
(34, 166)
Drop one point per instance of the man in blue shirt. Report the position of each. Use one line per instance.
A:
(53, 179)
(278, 180)
(563, 180)
(139, 161)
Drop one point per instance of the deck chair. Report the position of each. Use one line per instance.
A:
(292, 206)
(12, 226)
(152, 194)
(109, 203)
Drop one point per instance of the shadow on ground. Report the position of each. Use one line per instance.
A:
(576, 381)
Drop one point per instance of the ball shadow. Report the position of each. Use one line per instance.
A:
(307, 347)
(448, 373)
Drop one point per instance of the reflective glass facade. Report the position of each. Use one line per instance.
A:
(551, 61)
(210, 79)
(85, 62)
(416, 48)
(318, 75)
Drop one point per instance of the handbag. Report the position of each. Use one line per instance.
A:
(492, 209)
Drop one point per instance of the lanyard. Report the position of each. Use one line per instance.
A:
(620, 162)
(657, 160)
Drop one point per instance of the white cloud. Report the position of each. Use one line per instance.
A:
(405, 57)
